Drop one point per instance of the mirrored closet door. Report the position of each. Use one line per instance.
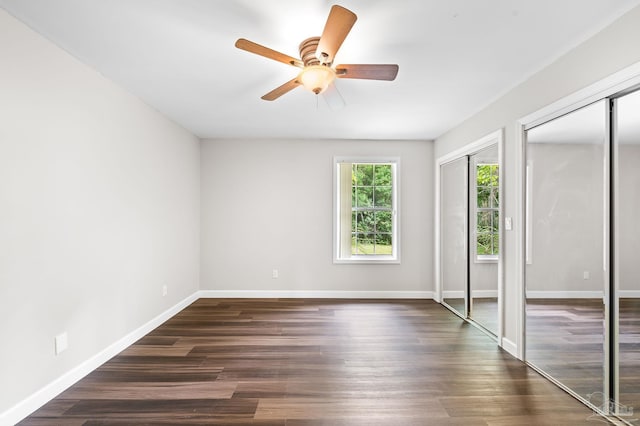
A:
(470, 236)
(565, 274)
(453, 234)
(582, 252)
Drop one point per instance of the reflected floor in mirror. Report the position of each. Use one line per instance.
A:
(484, 311)
(314, 362)
(457, 305)
(565, 339)
(630, 354)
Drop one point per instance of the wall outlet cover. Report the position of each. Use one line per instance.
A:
(61, 342)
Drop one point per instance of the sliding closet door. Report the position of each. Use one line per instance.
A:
(627, 248)
(453, 234)
(566, 249)
(484, 205)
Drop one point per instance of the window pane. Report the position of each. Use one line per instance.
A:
(484, 222)
(382, 196)
(483, 175)
(495, 175)
(484, 244)
(364, 196)
(383, 244)
(495, 225)
(363, 174)
(365, 244)
(484, 195)
(365, 221)
(495, 199)
(496, 244)
(384, 222)
(382, 174)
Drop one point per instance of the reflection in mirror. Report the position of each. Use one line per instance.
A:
(564, 274)
(627, 248)
(453, 234)
(484, 237)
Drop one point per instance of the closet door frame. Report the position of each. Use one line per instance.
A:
(610, 89)
(493, 138)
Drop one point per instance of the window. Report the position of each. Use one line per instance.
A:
(487, 211)
(366, 214)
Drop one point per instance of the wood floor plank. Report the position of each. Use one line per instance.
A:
(392, 409)
(313, 362)
(143, 391)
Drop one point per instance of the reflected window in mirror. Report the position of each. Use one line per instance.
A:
(487, 208)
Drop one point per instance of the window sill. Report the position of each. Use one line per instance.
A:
(372, 260)
(486, 259)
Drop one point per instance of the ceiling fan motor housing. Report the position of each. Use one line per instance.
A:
(309, 52)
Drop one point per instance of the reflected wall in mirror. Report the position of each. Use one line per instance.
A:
(453, 234)
(627, 247)
(564, 275)
(484, 203)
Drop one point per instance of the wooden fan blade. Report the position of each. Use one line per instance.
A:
(368, 71)
(279, 91)
(338, 25)
(258, 49)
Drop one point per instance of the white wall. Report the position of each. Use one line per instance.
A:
(99, 208)
(627, 215)
(566, 213)
(607, 52)
(269, 204)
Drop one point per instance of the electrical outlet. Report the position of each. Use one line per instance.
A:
(586, 275)
(61, 342)
(274, 274)
(164, 290)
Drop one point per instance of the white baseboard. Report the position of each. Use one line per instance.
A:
(305, 294)
(21, 410)
(630, 294)
(453, 294)
(564, 294)
(510, 347)
(459, 294)
(484, 293)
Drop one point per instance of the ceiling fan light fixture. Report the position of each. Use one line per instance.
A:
(316, 78)
(317, 55)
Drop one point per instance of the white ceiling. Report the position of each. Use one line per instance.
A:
(455, 57)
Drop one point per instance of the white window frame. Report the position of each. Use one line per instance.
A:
(342, 197)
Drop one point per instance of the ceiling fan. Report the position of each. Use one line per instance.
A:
(317, 55)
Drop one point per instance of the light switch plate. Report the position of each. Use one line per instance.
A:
(61, 342)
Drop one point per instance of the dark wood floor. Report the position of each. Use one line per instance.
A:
(314, 362)
(565, 339)
(484, 311)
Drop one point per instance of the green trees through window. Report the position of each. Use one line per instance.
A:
(371, 209)
(487, 210)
